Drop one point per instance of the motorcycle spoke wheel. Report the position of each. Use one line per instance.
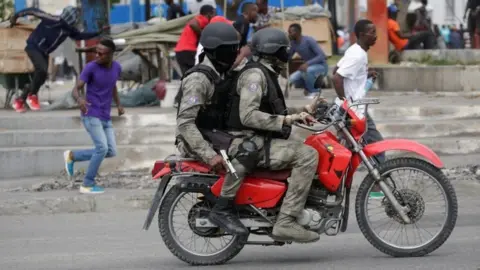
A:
(429, 198)
(428, 210)
(194, 245)
(182, 225)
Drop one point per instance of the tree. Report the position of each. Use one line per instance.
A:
(6, 9)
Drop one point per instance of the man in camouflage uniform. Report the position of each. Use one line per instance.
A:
(201, 111)
(254, 88)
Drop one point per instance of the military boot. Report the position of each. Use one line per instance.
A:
(287, 229)
(223, 216)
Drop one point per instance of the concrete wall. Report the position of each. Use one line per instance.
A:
(429, 78)
(454, 56)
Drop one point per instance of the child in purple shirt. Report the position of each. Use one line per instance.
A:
(101, 77)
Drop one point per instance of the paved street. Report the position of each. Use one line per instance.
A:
(116, 241)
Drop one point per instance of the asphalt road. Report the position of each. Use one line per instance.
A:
(116, 241)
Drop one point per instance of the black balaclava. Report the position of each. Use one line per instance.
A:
(222, 57)
(278, 60)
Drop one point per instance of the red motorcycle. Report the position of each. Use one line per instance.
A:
(190, 186)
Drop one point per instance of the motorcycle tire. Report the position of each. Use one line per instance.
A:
(451, 201)
(168, 238)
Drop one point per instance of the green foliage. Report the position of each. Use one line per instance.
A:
(6, 9)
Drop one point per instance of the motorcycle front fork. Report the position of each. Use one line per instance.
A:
(387, 191)
(402, 211)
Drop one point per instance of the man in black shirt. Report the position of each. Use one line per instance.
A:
(242, 24)
(174, 10)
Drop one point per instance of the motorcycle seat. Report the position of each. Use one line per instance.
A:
(279, 175)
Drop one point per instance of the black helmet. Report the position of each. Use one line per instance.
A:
(269, 40)
(217, 34)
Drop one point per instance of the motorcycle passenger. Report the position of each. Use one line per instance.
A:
(205, 89)
(258, 111)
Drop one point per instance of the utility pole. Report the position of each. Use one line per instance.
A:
(94, 15)
(148, 10)
(332, 7)
(352, 19)
(377, 13)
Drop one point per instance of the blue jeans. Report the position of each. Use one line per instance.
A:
(307, 79)
(103, 137)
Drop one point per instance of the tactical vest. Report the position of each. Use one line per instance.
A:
(212, 116)
(272, 103)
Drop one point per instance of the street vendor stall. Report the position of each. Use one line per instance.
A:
(154, 43)
(15, 66)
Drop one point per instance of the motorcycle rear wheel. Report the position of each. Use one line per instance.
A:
(445, 186)
(165, 223)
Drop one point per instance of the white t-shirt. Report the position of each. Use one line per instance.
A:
(199, 51)
(195, 6)
(354, 68)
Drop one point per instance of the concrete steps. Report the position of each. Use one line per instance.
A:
(79, 137)
(32, 144)
(453, 145)
(60, 120)
(48, 160)
(428, 128)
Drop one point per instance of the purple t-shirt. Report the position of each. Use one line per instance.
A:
(100, 83)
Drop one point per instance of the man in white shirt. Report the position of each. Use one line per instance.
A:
(351, 72)
(350, 78)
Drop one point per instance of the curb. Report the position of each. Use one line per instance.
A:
(114, 200)
(59, 202)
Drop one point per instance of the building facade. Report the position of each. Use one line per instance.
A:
(444, 11)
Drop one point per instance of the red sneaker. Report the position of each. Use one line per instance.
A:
(19, 105)
(32, 101)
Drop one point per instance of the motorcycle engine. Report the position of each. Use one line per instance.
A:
(310, 218)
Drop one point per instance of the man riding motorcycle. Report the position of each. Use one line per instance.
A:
(258, 112)
(205, 91)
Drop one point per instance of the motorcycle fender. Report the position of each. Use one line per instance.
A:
(157, 198)
(192, 183)
(401, 145)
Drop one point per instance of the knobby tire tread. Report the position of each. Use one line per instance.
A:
(163, 220)
(427, 167)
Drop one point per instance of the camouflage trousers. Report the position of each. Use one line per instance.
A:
(284, 154)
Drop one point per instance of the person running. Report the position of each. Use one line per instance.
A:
(49, 34)
(101, 77)
(350, 78)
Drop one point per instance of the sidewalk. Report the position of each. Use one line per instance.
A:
(18, 196)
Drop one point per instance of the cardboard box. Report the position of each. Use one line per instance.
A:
(13, 58)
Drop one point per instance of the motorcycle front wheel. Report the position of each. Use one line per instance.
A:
(409, 179)
(218, 247)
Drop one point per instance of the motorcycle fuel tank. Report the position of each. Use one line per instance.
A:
(333, 159)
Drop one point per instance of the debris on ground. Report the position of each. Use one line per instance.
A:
(142, 179)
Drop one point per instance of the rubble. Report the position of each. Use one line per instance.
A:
(134, 179)
(464, 173)
(142, 179)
